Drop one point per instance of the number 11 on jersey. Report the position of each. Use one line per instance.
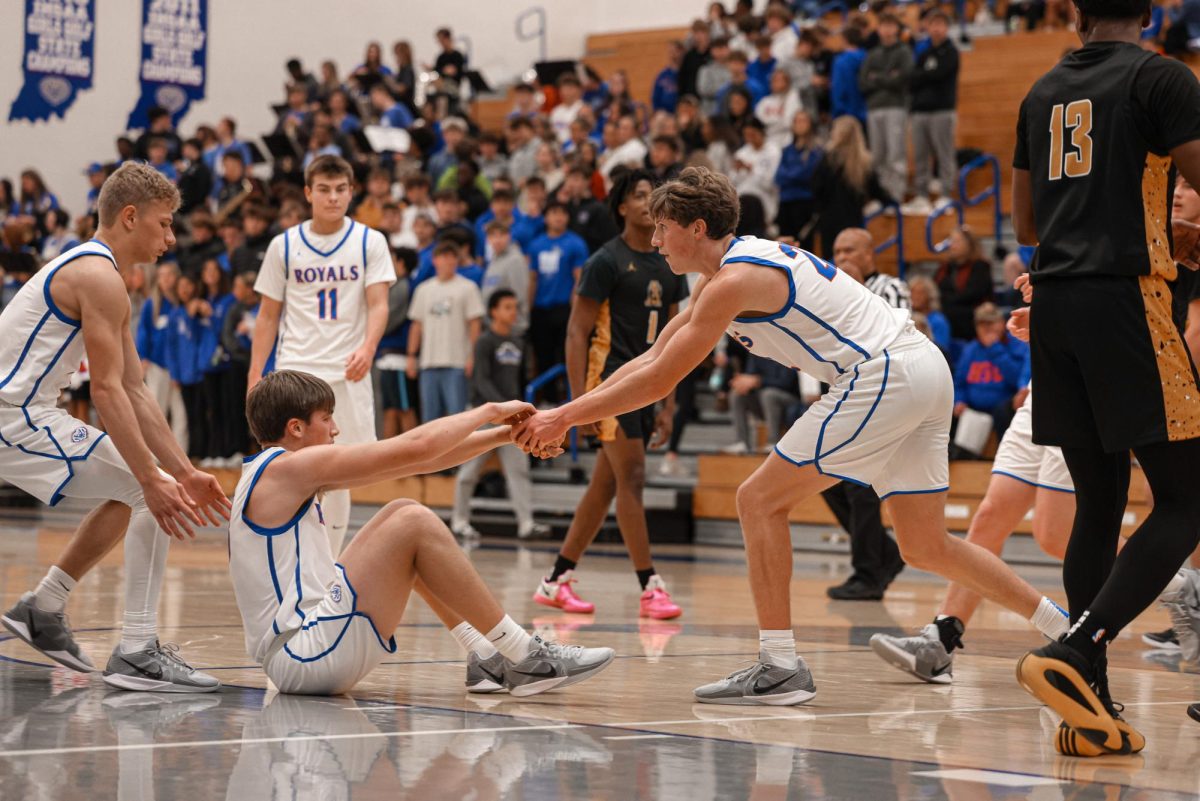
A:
(331, 294)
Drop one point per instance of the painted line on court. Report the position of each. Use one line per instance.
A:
(640, 737)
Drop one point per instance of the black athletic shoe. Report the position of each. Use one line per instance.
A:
(1060, 677)
(855, 589)
(1162, 640)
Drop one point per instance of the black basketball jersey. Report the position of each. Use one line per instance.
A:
(1095, 134)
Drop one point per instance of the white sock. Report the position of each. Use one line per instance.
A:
(51, 594)
(1051, 619)
(778, 646)
(511, 640)
(145, 563)
(471, 640)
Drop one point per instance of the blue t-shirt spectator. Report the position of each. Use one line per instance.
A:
(939, 328)
(183, 348)
(760, 70)
(524, 230)
(987, 377)
(154, 332)
(168, 170)
(555, 259)
(398, 116)
(666, 91)
(472, 272)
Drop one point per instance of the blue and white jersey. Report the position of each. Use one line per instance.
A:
(322, 282)
(280, 573)
(41, 347)
(830, 322)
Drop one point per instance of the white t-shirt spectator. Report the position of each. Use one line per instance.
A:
(561, 117)
(632, 154)
(776, 112)
(443, 308)
(757, 177)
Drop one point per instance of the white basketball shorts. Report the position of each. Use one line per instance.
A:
(1018, 457)
(885, 423)
(335, 648)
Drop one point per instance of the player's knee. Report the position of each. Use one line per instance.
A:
(924, 552)
(394, 507)
(754, 499)
(634, 479)
(1052, 539)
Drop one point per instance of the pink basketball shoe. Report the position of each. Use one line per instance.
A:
(656, 601)
(559, 595)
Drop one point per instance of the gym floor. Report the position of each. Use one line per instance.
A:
(411, 732)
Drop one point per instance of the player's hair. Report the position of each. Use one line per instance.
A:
(328, 166)
(282, 396)
(1113, 9)
(497, 296)
(625, 185)
(134, 184)
(698, 194)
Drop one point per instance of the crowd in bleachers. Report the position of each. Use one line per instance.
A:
(812, 121)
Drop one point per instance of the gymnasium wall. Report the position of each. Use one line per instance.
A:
(248, 43)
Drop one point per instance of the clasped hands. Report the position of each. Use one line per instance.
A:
(540, 433)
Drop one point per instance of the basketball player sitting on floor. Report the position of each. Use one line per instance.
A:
(316, 626)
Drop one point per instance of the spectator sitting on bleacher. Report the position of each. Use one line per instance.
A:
(58, 238)
(763, 66)
(298, 77)
(739, 78)
(342, 112)
(630, 150)
(696, 56)
(195, 179)
(297, 114)
(256, 230)
(965, 281)
(369, 210)
(570, 103)
(778, 22)
(525, 105)
(204, 243)
(989, 370)
(765, 389)
(754, 167)
(392, 114)
(160, 126)
(927, 301)
(454, 131)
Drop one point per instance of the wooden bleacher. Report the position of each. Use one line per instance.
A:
(719, 476)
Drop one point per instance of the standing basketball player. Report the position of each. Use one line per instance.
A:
(328, 279)
(1096, 138)
(75, 302)
(626, 296)
(885, 421)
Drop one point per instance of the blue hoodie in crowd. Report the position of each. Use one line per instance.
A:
(986, 377)
(211, 358)
(795, 172)
(183, 350)
(845, 96)
(154, 333)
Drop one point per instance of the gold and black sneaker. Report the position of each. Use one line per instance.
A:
(1060, 677)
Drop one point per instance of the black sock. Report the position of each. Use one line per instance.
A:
(644, 576)
(561, 565)
(950, 632)
(1089, 637)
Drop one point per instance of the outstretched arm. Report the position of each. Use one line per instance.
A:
(655, 375)
(324, 467)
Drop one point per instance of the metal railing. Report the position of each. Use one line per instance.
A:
(940, 211)
(896, 240)
(553, 374)
(992, 192)
(538, 14)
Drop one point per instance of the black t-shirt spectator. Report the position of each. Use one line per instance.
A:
(963, 286)
(450, 64)
(935, 79)
(591, 220)
(693, 60)
(249, 255)
(195, 183)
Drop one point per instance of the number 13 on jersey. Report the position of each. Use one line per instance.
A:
(327, 301)
(1078, 117)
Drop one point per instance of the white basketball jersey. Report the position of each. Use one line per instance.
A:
(830, 322)
(279, 573)
(41, 347)
(322, 282)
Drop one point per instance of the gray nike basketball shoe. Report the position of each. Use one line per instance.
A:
(486, 675)
(551, 665)
(157, 669)
(761, 683)
(48, 632)
(921, 655)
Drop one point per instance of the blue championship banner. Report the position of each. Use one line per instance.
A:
(59, 47)
(174, 57)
